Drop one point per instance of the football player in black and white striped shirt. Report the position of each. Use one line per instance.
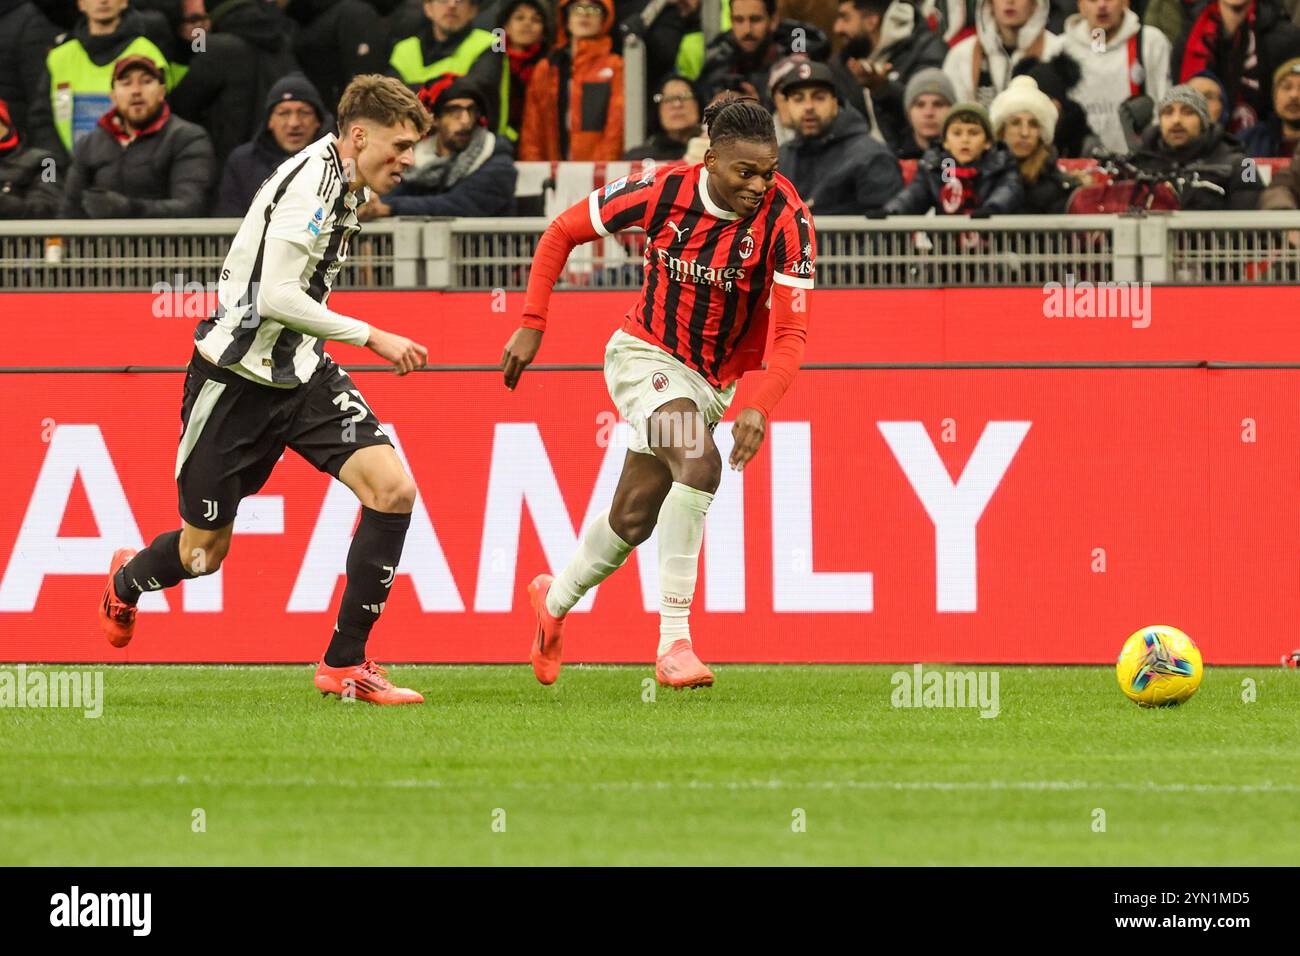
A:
(260, 381)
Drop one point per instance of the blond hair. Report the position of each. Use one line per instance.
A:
(385, 100)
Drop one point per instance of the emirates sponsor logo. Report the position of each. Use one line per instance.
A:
(688, 270)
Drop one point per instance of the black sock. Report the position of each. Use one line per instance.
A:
(372, 565)
(156, 567)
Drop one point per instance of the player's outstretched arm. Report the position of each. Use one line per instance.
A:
(750, 427)
(570, 230)
(280, 297)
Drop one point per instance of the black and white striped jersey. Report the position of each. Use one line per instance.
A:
(306, 202)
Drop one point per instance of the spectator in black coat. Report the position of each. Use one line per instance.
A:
(884, 44)
(1024, 118)
(249, 48)
(969, 174)
(677, 122)
(833, 161)
(338, 39)
(663, 27)
(461, 168)
(1206, 166)
(140, 161)
(295, 118)
(928, 97)
(28, 184)
(741, 58)
(25, 38)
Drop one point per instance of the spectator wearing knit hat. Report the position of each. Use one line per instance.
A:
(833, 161)
(461, 168)
(970, 174)
(1024, 118)
(1280, 133)
(1211, 87)
(927, 99)
(139, 160)
(294, 118)
(1205, 165)
(1057, 77)
(28, 188)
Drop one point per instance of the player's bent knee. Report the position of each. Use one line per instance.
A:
(203, 551)
(703, 473)
(633, 524)
(393, 498)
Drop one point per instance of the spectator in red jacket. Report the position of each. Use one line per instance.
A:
(583, 118)
(1243, 42)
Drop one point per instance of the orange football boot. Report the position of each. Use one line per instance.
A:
(116, 617)
(364, 681)
(548, 642)
(679, 667)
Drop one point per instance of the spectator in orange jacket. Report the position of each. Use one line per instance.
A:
(591, 100)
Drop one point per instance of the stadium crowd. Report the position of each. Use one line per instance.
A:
(153, 108)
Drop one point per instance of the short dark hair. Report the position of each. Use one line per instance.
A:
(770, 7)
(864, 7)
(733, 116)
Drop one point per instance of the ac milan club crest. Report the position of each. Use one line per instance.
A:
(660, 381)
(746, 246)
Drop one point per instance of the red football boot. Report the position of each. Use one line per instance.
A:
(679, 667)
(116, 617)
(365, 681)
(548, 642)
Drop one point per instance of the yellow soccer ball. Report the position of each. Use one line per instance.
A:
(1159, 666)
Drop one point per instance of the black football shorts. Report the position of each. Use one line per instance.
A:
(234, 431)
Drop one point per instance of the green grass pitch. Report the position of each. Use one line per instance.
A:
(495, 769)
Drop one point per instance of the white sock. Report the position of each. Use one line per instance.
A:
(600, 553)
(681, 532)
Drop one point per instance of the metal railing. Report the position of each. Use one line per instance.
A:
(123, 255)
(1211, 248)
(853, 252)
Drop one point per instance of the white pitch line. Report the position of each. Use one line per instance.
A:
(723, 785)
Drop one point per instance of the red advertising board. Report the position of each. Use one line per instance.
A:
(894, 515)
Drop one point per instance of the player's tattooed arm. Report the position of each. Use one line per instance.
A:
(519, 353)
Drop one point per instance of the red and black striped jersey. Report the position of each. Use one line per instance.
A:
(708, 271)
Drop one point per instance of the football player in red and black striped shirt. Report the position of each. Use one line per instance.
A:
(729, 248)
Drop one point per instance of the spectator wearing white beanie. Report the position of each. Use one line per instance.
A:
(1022, 95)
(1024, 117)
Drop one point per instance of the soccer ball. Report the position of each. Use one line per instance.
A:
(1159, 666)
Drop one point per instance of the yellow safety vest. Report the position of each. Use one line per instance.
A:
(408, 60)
(81, 89)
